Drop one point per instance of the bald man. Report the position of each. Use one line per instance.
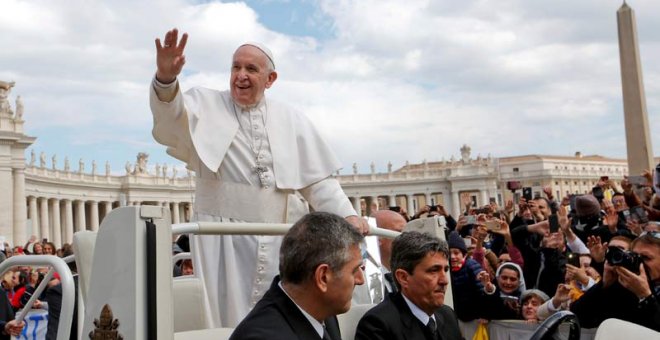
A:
(390, 220)
(251, 157)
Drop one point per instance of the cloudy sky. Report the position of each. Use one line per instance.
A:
(385, 80)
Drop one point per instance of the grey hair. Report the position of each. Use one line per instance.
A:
(409, 248)
(317, 238)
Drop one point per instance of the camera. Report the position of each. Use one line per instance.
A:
(527, 193)
(554, 223)
(640, 214)
(433, 208)
(639, 181)
(598, 193)
(623, 258)
(492, 225)
(396, 208)
(571, 201)
(574, 259)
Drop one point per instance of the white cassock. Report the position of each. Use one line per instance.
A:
(222, 142)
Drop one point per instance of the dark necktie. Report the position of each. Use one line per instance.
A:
(431, 326)
(390, 280)
(326, 336)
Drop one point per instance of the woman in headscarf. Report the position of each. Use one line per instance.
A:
(503, 297)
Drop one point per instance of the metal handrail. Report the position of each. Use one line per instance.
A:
(242, 228)
(68, 290)
(180, 256)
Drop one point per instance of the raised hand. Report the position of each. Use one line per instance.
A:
(484, 277)
(612, 217)
(596, 248)
(547, 190)
(577, 273)
(562, 294)
(169, 56)
(638, 284)
(625, 185)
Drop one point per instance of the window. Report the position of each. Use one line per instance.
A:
(515, 170)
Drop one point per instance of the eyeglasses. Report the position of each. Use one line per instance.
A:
(654, 234)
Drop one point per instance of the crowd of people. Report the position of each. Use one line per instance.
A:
(19, 284)
(595, 254)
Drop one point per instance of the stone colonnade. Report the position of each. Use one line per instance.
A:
(413, 201)
(57, 219)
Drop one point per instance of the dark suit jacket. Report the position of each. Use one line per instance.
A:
(276, 317)
(53, 296)
(6, 314)
(393, 320)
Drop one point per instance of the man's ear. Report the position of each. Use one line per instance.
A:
(402, 277)
(271, 79)
(322, 277)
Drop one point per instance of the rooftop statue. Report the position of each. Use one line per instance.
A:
(5, 88)
(465, 153)
(141, 163)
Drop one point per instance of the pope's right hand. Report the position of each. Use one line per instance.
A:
(169, 56)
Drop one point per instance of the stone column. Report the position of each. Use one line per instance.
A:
(411, 206)
(57, 229)
(8, 201)
(20, 210)
(107, 209)
(80, 216)
(182, 212)
(94, 215)
(484, 197)
(391, 200)
(372, 200)
(43, 218)
(356, 205)
(447, 203)
(189, 212)
(175, 213)
(456, 204)
(68, 221)
(427, 198)
(32, 202)
(169, 207)
(638, 139)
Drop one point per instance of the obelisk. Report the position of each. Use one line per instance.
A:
(638, 139)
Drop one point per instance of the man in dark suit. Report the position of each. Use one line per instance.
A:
(8, 326)
(417, 312)
(320, 264)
